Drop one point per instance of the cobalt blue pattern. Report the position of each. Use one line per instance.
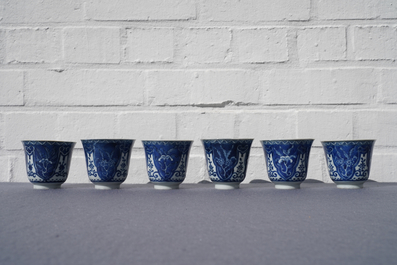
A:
(287, 160)
(107, 160)
(349, 160)
(166, 161)
(47, 161)
(227, 159)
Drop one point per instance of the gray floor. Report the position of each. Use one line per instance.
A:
(197, 224)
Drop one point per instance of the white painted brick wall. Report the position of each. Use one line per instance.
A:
(92, 45)
(150, 69)
(260, 45)
(375, 42)
(150, 45)
(11, 83)
(33, 45)
(322, 44)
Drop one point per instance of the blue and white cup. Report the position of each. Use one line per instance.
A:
(349, 162)
(47, 162)
(107, 161)
(166, 162)
(287, 161)
(227, 161)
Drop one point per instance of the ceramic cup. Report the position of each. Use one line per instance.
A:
(227, 161)
(107, 161)
(287, 161)
(47, 162)
(166, 162)
(349, 162)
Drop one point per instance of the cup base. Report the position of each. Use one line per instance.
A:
(107, 185)
(349, 184)
(227, 186)
(166, 185)
(46, 186)
(287, 185)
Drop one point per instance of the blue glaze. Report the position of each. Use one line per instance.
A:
(166, 161)
(227, 159)
(47, 161)
(107, 160)
(349, 160)
(287, 160)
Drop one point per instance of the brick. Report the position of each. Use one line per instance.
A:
(375, 42)
(140, 10)
(150, 45)
(170, 87)
(226, 87)
(316, 169)
(325, 125)
(146, 126)
(356, 9)
(319, 86)
(254, 10)
(256, 168)
(33, 45)
(11, 87)
(388, 9)
(379, 125)
(208, 87)
(78, 168)
(137, 173)
(36, 11)
(205, 125)
(75, 126)
(4, 169)
(204, 45)
(29, 126)
(196, 170)
(322, 44)
(388, 91)
(285, 87)
(92, 45)
(267, 126)
(2, 44)
(341, 86)
(84, 87)
(261, 45)
(383, 167)
(17, 165)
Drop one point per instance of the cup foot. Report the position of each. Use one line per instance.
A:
(46, 186)
(350, 184)
(227, 186)
(166, 185)
(107, 185)
(288, 185)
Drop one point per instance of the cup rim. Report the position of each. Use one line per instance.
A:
(167, 141)
(47, 141)
(229, 139)
(103, 139)
(341, 141)
(303, 139)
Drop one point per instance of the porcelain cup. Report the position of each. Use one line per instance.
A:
(166, 162)
(227, 161)
(287, 161)
(47, 162)
(349, 162)
(107, 161)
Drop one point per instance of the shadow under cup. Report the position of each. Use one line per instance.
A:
(47, 162)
